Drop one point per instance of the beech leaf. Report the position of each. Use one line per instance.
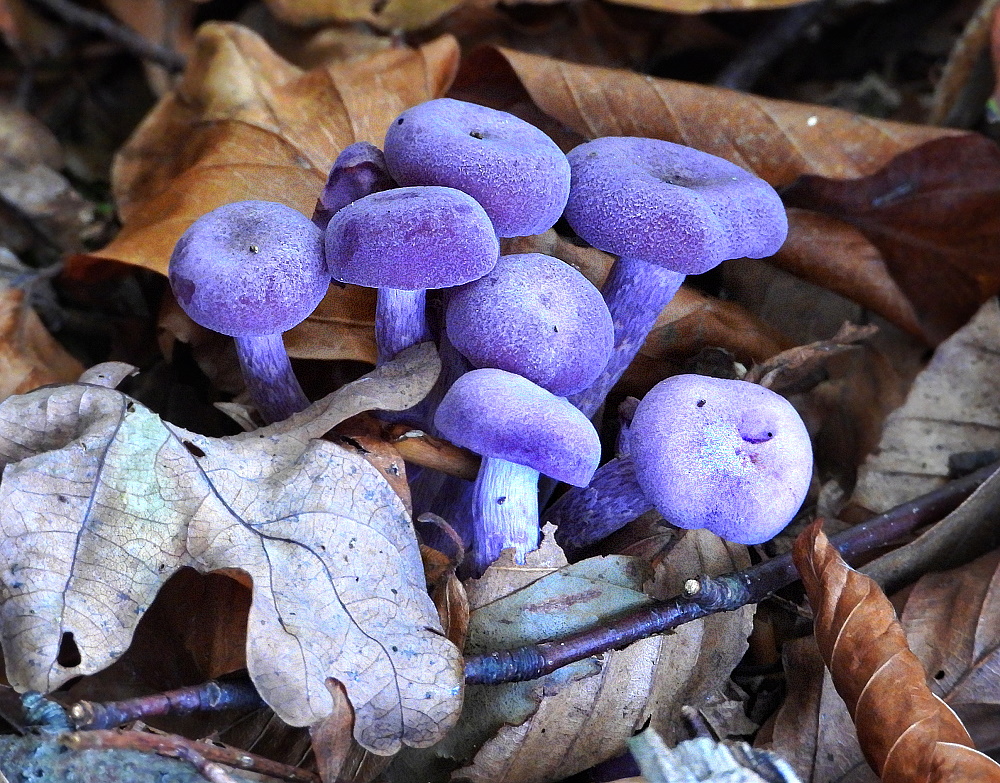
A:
(101, 501)
(907, 733)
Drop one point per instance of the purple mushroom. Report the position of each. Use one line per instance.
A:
(509, 166)
(521, 430)
(252, 270)
(402, 242)
(729, 456)
(666, 211)
(535, 316)
(358, 171)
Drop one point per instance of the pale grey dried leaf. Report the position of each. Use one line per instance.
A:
(101, 501)
(952, 407)
(703, 760)
(108, 374)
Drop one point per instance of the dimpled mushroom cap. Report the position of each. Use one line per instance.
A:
(509, 166)
(498, 414)
(249, 268)
(411, 239)
(671, 205)
(729, 456)
(535, 316)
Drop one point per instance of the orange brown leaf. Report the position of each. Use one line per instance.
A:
(907, 733)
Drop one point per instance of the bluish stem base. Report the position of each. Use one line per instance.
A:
(400, 321)
(269, 377)
(611, 500)
(636, 293)
(504, 512)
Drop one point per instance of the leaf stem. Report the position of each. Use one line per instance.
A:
(707, 594)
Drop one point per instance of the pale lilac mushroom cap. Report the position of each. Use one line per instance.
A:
(729, 456)
(249, 268)
(535, 316)
(411, 238)
(502, 415)
(671, 205)
(512, 168)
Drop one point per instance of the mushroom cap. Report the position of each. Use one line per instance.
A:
(508, 165)
(499, 414)
(671, 205)
(249, 268)
(729, 456)
(535, 316)
(411, 239)
(358, 170)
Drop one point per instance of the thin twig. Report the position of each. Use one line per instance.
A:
(707, 595)
(179, 747)
(766, 46)
(74, 15)
(208, 696)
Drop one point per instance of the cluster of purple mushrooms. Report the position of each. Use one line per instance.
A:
(530, 348)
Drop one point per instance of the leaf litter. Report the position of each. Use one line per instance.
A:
(102, 501)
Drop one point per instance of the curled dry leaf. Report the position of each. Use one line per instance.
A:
(102, 501)
(907, 733)
(931, 213)
(951, 408)
(551, 727)
(245, 124)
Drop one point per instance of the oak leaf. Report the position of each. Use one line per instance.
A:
(101, 501)
(907, 733)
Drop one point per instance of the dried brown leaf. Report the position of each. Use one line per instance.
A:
(777, 140)
(931, 213)
(951, 408)
(385, 15)
(548, 728)
(906, 732)
(245, 124)
(338, 583)
(29, 357)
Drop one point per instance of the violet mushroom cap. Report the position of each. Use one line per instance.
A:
(536, 316)
(252, 270)
(729, 456)
(358, 171)
(667, 211)
(404, 241)
(521, 430)
(512, 168)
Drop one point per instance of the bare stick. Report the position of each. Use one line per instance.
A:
(707, 595)
(77, 16)
(179, 747)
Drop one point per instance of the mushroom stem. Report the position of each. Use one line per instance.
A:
(269, 376)
(504, 512)
(636, 293)
(585, 515)
(400, 321)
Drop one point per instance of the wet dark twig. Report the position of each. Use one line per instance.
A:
(707, 595)
(77, 16)
(208, 696)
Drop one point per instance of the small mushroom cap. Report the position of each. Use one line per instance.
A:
(729, 456)
(411, 239)
(671, 205)
(358, 171)
(249, 268)
(535, 316)
(509, 166)
(498, 414)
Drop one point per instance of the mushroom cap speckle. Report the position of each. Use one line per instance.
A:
(249, 268)
(509, 166)
(499, 414)
(729, 456)
(535, 316)
(671, 205)
(411, 239)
